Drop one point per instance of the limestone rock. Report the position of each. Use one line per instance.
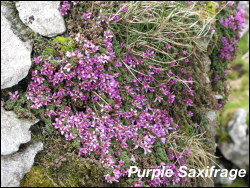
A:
(212, 118)
(15, 56)
(218, 97)
(14, 132)
(42, 17)
(238, 151)
(222, 180)
(238, 126)
(206, 62)
(14, 167)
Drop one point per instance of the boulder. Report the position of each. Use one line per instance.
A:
(238, 151)
(42, 17)
(14, 132)
(15, 55)
(14, 167)
(237, 128)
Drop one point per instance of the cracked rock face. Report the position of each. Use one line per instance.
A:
(42, 17)
(15, 55)
(14, 132)
(14, 167)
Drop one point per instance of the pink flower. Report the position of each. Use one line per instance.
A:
(132, 158)
(108, 178)
(117, 154)
(188, 101)
(219, 105)
(78, 38)
(171, 157)
(86, 15)
(189, 3)
(63, 11)
(190, 113)
(211, 29)
(75, 2)
(14, 96)
(37, 60)
(186, 60)
(196, 125)
(158, 99)
(230, 3)
(184, 52)
(108, 34)
(187, 151)
(168, 46)
(216, 78)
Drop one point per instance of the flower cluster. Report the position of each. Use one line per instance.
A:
(66, 7)
(82, 76)
(235, 23)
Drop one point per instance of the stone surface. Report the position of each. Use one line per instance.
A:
(218, 97)
(42, 17)
(238, 151)
(211, 116)
(206, 62)
(237, 128)
(222, 180)
(14, 132)
(15, 56)
(14, 167)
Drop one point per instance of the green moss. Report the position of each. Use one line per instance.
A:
(60, 39)
(124, 156)
(233, 75)
(36, 178)
(62, 164)
(243, 44)
(211, 8)
(161, 154)
(239, 182)
(67, 44)
(50, 52)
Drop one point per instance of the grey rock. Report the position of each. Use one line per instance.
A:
(206, 62)
(222, 180)
(218, 97)
(237, 154)
(42, 17)
(207, 79)
(14, 167)
(203, 41)
(15, 55)
(14, 132)
(212, 122)
(238, 151)
(238, 126)
(244, 5)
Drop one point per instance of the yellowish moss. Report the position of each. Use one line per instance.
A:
(64, 166)
(211, 8)
(36, 178)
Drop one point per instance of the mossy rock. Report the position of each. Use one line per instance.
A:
(59, 161)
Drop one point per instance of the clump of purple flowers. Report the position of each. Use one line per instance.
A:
(99, 126)
(235, 23)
